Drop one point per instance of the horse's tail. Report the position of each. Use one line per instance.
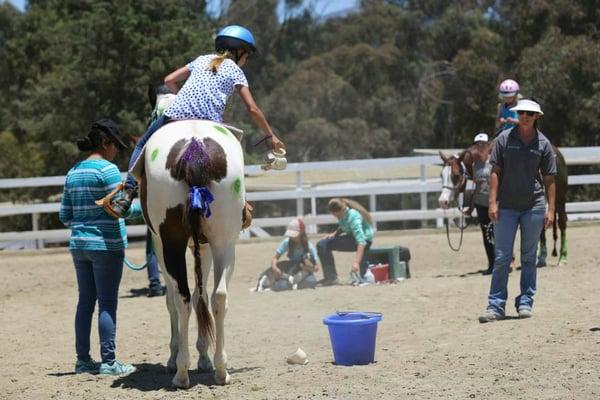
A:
(206, 326)
(192, 167)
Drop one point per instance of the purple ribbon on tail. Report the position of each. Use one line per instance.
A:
(200, 199)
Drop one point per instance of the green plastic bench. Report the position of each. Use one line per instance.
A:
(391, 255)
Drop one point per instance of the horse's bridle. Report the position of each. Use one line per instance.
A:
(457, 191)
(460, 186)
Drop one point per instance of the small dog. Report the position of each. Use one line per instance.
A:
(295, 275)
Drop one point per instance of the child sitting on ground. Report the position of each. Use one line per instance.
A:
(298, 271)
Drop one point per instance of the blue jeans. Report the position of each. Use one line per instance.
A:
(325, 248)
(98, 278)
(151, 263)
(310, 282)
(130, 182)
(531, 223)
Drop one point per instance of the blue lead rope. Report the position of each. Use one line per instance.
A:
(200, 199)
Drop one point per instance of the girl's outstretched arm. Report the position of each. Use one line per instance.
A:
(258, 117)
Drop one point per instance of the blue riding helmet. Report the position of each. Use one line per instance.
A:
(234, 37)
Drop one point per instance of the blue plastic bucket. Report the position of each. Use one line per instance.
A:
(353, 336)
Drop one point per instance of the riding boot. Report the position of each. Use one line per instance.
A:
(121, 205)
(247, 215)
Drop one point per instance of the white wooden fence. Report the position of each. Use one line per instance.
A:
(421, 186)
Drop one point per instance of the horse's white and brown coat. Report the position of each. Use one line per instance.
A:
(180, 155)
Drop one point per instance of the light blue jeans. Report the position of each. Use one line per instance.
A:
(530, 222)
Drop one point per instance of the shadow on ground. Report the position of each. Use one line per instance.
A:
(143, 292)
(151, 377)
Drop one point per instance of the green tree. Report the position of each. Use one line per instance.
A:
(94, 59)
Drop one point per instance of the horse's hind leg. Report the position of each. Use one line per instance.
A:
(541, 261)
(224, 259)
(172, 248)
(562, 224)
(202, 343)
(173, 346)
(554, 236)
(170, 300)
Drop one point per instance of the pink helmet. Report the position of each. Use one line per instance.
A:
(509, 88)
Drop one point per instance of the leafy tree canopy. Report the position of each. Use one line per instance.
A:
(378, 82)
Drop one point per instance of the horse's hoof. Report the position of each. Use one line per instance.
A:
(205, 365)
(222, 380)
(181, 383)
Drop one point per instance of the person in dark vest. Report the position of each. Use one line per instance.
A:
(523, 170)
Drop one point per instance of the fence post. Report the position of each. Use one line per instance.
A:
(373, 207)
(300, 201)
(423, 194)
(35, 226)
(312, 228)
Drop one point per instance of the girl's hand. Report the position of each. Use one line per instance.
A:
(468, 212)
(277, 144)
(493, 212)
(276, 273)
(355, 267)
(548, 219)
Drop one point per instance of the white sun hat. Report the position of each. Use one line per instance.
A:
(527, 105)
(481, 137)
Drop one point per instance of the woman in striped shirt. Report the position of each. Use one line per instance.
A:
(97, 245)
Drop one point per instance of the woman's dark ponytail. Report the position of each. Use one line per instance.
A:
(84, 144)
(92, 141)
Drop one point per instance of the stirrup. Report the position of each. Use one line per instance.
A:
(106, 201)
(276, 160)
(247, 215)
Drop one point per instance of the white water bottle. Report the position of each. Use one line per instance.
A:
(369, 277)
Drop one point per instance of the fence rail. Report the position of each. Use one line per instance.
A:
(421, 186)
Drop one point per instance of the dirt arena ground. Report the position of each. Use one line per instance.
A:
(429, 344)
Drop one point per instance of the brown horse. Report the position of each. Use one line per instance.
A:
(458, 168)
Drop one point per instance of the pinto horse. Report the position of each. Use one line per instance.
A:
(191, 179)
(458, 168)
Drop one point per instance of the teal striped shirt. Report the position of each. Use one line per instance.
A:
(91, 227)
(352, 223)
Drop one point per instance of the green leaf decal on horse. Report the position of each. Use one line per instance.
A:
(221, 129)
(237, 186)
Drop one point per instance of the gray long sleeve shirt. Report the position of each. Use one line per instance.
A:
(523, 166)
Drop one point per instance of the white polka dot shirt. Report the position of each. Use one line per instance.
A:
(204, 94)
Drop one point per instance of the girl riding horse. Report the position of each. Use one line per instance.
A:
(209, 81)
